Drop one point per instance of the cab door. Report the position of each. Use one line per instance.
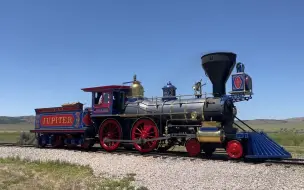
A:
(118, 102)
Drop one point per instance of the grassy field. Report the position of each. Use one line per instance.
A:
(22, 174)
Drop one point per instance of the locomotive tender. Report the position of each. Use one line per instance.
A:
(120, 115)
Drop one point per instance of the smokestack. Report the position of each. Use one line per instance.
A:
(218, 66)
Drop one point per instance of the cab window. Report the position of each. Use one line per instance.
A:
(97, 97)
(100, 98)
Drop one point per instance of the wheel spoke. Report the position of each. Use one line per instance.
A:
(137, 129)
(137, 134)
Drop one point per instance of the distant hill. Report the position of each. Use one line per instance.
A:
(17, 120)
(296, 119)
(264, 121)
(31, 120)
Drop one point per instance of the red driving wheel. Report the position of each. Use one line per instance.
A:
(234, 149)
(193, 147)
(110, 129)
(145, 129)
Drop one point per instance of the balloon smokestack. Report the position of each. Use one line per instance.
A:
(218, 67)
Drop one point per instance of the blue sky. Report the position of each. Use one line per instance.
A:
(49, 50)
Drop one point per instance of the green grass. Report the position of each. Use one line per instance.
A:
(295, 150)
(288, 138)
(9, 137)
(23, 174)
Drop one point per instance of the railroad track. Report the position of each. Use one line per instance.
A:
(181, 155)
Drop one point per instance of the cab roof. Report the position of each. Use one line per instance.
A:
(105, 88)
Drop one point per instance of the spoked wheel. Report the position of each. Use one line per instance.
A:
(110, 129)
(193, 147)
(57, 141)
(145, 129)
(234, 149)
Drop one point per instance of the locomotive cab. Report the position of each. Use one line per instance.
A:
(108, 99)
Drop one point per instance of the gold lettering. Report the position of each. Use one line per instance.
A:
(64, 120)
(53, 120)
(70, 120)
(44, 121)
(60, 120)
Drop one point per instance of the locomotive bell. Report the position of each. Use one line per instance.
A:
(137, 89)
(218, 67)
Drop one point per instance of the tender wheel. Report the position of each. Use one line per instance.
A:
(193, 147)
(69, 139)
(234, 149)
(39, 143)
(57, 141)
(110, 129)
(145, 129)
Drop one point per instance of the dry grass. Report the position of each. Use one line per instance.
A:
(21, 174)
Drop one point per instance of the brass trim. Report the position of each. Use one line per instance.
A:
(211, 124)
(209, 139)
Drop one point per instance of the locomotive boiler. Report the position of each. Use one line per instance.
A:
(121, 116)
(181, 109)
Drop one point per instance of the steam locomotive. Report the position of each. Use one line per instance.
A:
(121, 116)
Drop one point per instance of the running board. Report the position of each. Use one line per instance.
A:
(260, 146)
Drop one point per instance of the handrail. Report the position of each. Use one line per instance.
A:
(179, 97)
(244, 124)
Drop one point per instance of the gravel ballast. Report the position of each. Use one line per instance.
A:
(167, 174)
